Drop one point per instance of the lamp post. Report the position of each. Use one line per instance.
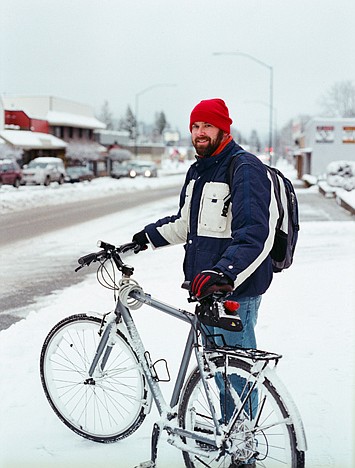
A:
(271, 90)
(158, 85)
(275, 128)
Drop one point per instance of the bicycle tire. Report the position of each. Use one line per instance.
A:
(110, 406)
(265, 439)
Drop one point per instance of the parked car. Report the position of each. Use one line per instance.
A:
(135, 168)
(43, 171)
(78, 174)
(10, 173)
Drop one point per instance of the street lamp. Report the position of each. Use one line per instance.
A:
(158, 85)
(271, 70)
(275, 128)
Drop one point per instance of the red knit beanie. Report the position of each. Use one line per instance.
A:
(212, 111)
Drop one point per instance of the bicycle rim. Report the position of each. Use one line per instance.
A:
(112, 404)
(264, 436)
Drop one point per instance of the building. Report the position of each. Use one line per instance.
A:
(323, 141)
(51, 126)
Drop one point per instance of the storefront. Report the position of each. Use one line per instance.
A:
(325, 141)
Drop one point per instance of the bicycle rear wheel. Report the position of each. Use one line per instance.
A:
(264, 436)
(107, 407)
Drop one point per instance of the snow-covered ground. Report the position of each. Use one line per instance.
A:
(26, 197)
(307, 315)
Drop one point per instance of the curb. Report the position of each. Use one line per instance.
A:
(329, 192)
(345, 205)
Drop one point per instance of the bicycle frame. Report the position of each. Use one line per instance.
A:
(167, 412)
(121, 317)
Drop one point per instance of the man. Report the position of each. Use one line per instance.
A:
(224, 242)
(227, 240)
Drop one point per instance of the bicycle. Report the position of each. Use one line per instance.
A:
(101, 382)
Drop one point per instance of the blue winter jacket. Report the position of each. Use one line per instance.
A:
(235, 238)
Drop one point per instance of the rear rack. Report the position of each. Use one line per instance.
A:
(245, 353)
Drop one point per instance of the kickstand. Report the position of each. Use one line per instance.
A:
(154, 449)
(154, 443)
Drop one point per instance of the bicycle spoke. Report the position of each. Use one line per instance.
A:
(110, 405)
(262, 433)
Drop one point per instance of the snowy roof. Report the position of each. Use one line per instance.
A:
(55, 110)
(333, 119)
(74, 120)
(32, 140)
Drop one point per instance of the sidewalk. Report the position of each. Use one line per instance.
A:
(343, 198)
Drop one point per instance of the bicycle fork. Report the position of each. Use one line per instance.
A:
(105, 344)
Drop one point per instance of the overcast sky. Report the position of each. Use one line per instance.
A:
(96, 50)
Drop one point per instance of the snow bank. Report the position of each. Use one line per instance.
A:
(26, 197)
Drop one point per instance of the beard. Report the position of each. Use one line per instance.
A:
(205, 151)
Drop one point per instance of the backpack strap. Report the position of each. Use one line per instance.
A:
(275, 174)
(228, 198)
(232, 166)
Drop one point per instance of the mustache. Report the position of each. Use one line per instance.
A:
(202, 139)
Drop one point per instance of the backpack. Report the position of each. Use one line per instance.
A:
(287, 227)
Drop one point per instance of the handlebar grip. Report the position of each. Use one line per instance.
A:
(87, 259)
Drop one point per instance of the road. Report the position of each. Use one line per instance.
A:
(35, 222)
(33, 267)
(37, 270)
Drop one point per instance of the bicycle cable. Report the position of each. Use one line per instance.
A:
(126, 287)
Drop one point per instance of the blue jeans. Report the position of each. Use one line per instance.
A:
(248, 312)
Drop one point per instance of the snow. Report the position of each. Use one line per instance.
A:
(32, 140)
(26, 197)
(307, 316)
(74, 120)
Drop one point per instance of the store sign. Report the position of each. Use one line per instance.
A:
(348, 134)
(325, 134)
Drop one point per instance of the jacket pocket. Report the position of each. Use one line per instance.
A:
(214, 220)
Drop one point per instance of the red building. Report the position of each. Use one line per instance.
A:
(50, 126)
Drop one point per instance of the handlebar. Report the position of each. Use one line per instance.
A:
(212, 310)
(109, 251)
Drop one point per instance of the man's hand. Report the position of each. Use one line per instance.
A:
(141, 241)
(210, 281)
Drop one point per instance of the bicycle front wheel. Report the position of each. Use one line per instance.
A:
(263, 435)
(107, 407)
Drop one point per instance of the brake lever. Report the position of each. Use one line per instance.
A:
(127, 247)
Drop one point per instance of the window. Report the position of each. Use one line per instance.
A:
(325, 134)
(348, 134)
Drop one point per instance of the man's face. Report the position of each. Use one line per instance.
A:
(206, 138)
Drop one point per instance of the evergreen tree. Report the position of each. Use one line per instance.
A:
(160, 122)
(254, 141)
(129, 123)
(106, 116)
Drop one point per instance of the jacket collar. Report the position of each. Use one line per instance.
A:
(203, 164)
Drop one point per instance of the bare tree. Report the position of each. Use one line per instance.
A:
(339, 100)
(8, 151)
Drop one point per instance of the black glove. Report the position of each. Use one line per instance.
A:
(141, 240)
(210, 281)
